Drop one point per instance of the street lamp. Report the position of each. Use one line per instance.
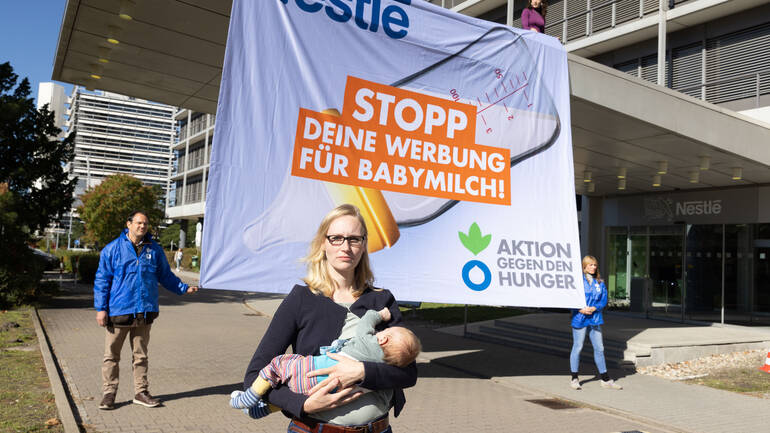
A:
(69, 232)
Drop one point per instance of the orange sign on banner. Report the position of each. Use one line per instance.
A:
(393, 139)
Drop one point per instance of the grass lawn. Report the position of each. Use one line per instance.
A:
(452, 314)
(26, 402)
(745, 380)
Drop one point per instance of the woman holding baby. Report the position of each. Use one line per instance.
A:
(337, 294)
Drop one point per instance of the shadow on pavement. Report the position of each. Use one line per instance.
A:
(211, 390)
(486, 360)
(81, 295)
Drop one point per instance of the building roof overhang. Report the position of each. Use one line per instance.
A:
(172, 52)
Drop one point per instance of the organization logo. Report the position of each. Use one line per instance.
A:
(475, 242)
(699, 207)
(392, 18)
(656, 208)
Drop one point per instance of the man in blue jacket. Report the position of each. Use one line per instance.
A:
(126, 302)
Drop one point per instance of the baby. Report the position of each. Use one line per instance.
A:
(395, 345)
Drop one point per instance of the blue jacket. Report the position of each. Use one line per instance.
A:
(596, 296)
(127, 283)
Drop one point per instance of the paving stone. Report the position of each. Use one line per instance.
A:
(201, 343)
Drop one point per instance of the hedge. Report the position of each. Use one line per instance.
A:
(71, 257)
(20, 277)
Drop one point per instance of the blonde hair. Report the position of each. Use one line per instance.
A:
(403, 348)
(591, 259)
(318, 278)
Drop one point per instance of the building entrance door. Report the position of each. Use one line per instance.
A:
(617, 263)
(709, 272)
(704, 272)
(665, 270)
(739, 260)
(761, 294)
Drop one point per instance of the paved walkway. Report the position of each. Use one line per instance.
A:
(646, 342)
(202, 342)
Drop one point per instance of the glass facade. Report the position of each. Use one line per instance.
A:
(705, 272)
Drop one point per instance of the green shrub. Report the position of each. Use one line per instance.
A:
(87, 264)
(186, 258)
(70, 258)
(20, 278)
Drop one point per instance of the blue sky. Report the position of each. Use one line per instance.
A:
(29, 31)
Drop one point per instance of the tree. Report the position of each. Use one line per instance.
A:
(76, 231)
(171, 234)
(106, 206)
(34, 188)
(31, 160)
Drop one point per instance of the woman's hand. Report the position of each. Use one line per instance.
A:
(321, 397)
(587, 311)
(347, 371)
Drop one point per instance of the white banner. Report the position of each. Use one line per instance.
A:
(452, 135)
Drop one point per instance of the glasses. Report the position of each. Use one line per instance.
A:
(353, 241)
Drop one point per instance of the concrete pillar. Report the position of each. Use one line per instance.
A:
(663, 8)
(592, 228)
(199, 233)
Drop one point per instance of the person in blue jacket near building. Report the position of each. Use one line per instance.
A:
(126, 302)
(589, 318)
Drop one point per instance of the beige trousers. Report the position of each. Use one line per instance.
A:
(139, 338)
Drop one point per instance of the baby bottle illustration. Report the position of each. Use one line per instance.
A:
(514, 110)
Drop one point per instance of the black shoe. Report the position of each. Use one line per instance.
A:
(108, 402)
(145, 399)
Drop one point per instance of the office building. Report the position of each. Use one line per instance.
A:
(192, 152)
(120, 134)
(55, 97)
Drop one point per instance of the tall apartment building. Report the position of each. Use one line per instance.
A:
(192, 152)
(120, 134)
(54, 95)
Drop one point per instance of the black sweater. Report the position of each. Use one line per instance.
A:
(306, 321)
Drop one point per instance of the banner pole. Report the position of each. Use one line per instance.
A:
(465, 321)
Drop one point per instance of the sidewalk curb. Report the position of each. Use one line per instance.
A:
(57, 386)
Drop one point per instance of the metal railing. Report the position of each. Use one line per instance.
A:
(193, 192)
(195, 161)
(757, 85)
(590, 18)
(180, 165)
(195, 127)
